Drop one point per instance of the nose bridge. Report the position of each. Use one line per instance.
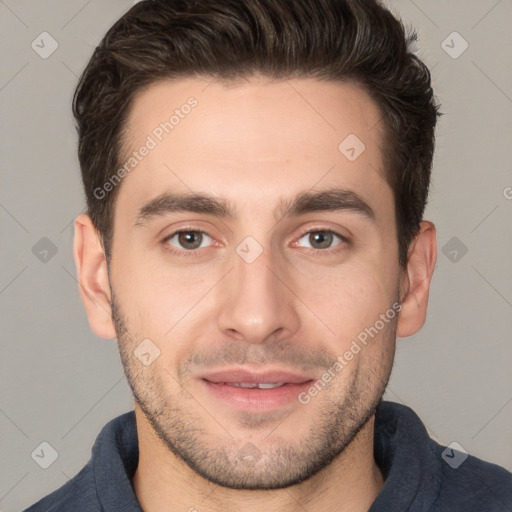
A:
(256, 303)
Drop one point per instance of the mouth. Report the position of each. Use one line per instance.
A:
(253, 385)
(252, 391)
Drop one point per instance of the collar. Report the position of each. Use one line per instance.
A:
(402, 448)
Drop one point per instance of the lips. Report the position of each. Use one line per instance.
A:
(252, 378)
(252, 385)
(255, 390)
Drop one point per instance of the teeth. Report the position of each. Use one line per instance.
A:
(251, 385)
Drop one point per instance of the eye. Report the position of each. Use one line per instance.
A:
(187, 239)
(322, 238)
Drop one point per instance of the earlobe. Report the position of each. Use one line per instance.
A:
(416, 281)
(93, 278)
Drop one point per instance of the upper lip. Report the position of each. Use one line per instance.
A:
(237, 374)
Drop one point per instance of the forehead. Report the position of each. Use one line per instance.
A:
(252, 141)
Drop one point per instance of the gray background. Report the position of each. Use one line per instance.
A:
(60, 383)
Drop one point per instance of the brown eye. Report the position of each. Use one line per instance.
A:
(322, 239)
(188, 239)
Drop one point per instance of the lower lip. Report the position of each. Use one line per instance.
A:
(255, 399)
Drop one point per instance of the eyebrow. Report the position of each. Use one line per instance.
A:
(336, 199)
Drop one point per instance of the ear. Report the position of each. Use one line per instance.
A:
(91, 265)
(415, 285)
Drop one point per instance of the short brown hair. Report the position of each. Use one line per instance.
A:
(337, 40)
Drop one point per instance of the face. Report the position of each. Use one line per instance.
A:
(254, 273)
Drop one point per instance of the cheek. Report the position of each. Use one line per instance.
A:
(159, 300)
(162, 300)
(349, 298)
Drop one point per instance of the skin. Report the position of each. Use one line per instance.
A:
(298, 306)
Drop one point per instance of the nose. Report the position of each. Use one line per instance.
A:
(257, 303)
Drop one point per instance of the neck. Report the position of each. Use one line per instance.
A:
(163, 482)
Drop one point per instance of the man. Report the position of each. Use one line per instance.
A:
(256, 174)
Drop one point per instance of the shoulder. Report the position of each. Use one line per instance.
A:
(422, 474)
(474, 485)
(105, 477)
(79, 493)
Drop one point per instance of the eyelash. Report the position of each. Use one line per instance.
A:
(193, 252)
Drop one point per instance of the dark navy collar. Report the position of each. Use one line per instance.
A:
(417, 479)
(115, 456)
